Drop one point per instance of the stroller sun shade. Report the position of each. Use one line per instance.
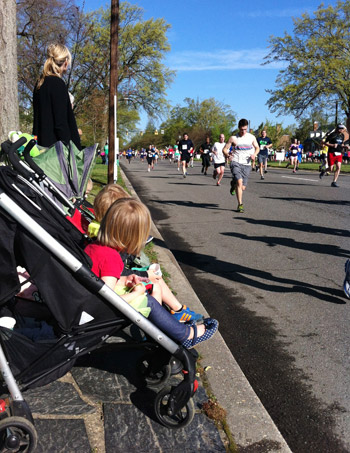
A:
(67, 167)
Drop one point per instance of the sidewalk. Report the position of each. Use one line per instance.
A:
(100, 407)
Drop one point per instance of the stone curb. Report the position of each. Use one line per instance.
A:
(247, 419)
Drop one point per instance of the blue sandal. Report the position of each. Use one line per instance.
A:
(211, 326)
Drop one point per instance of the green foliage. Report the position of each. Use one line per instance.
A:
(276, 132)
(142, 76)
(317, 59)
(198, 118)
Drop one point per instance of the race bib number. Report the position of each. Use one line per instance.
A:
(184, 147)
(337, 154)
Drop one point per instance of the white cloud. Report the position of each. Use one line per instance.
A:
(220, 60)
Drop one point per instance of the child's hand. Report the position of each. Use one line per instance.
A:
(132, 280)
(139, 289)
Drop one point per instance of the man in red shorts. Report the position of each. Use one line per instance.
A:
(335, 145)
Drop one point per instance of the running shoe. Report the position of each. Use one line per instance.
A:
(186, 315)
(347, 279)
(334, 184)
(240, 208)
(233, 188)
(265, 171)
(322, 174)
(262, 177)
(184, 175)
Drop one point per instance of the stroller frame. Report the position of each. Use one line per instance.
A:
(178, 397)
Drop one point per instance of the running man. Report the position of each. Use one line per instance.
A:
(335, 143)
(219, 159)
(264, 143)
(185, 147)
(245, 149)
(150, 158)
(205, 151)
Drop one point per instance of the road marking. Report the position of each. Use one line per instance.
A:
(300, 179)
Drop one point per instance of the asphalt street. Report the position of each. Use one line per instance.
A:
(273, 278)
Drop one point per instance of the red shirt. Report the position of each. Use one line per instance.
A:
(106, 262)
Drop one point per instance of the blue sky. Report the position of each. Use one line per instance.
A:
(217, 48)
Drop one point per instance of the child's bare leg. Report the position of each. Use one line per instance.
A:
(168, 297)
(157, 292)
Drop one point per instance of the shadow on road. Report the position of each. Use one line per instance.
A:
(312, 200)
(298, 226)
(273, 241)
(255, 278)
(190, 204)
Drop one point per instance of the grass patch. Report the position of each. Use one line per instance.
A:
(99, 177)
(345, 168)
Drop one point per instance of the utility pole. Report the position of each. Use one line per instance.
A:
(113, 88)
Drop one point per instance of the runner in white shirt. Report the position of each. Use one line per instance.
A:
(245, 149)
(219, 159)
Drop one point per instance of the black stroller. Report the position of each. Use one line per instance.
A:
(82, 311)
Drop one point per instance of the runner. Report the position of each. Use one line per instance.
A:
(177, 156)
(191, 157)
(335, 143)
(150, 158)
(170, 153)
(245, 149)
(205, 150)
(129, 155)
(185, 146)
(219, 159)
(264, 143)
(294, 148)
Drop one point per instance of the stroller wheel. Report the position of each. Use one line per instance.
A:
(18, 435)
(176, 421)
(154, 373)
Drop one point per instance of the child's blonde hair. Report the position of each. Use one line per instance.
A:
(126, 226)
(104, 199)
(57, 55)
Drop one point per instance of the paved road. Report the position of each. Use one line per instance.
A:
(273, 277)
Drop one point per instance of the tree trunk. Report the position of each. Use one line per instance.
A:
(9, 116)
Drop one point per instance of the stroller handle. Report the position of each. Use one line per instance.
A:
(28, 158)
(16, 161)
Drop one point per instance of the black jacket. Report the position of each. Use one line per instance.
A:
(53, 115)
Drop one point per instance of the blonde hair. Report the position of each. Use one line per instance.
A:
(57, 55)
(104, 199)
(126, 226)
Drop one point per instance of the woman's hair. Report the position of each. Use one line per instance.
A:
(104, 199)
(57, 55)
(126, 226)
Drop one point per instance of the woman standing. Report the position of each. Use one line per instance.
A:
(53, 114)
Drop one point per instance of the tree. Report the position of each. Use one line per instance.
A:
(9, 117)
(317, 57)
(143, 78)
(199, 118)
(40, 22)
